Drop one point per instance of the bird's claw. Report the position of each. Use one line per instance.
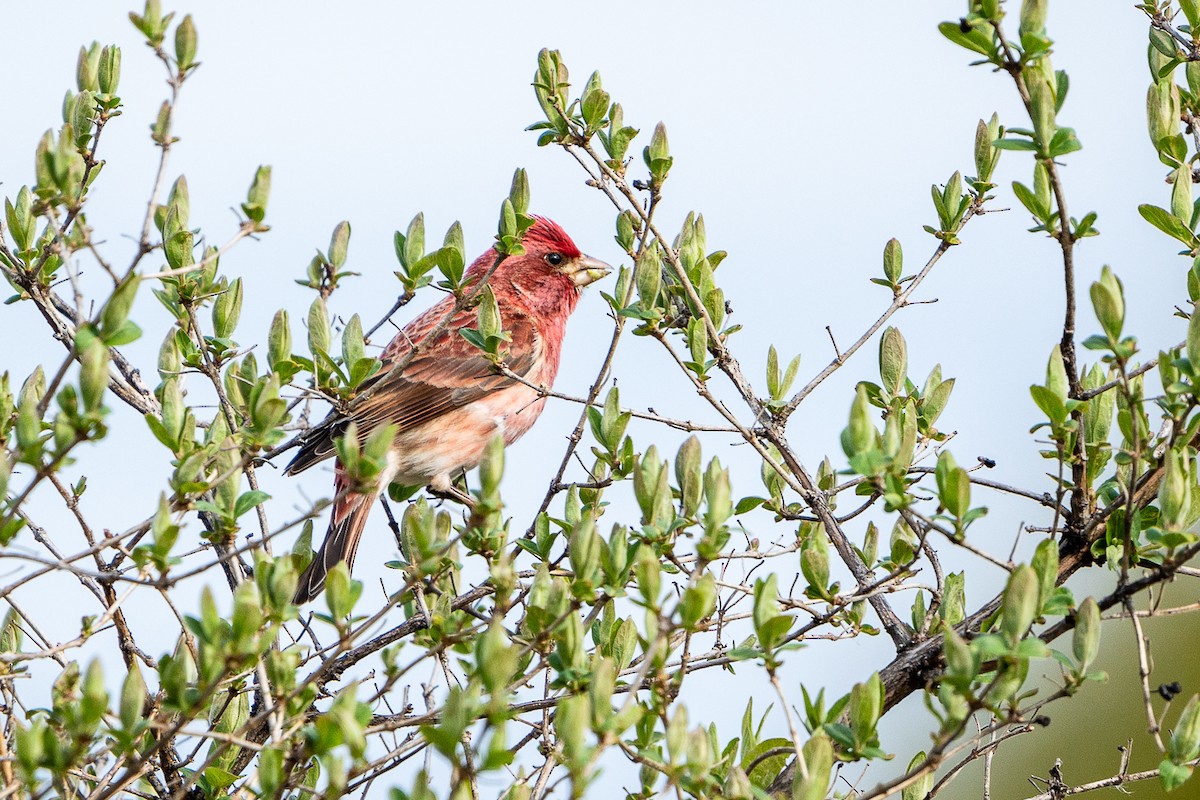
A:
(453, 493)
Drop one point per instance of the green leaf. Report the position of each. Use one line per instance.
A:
(1173, 775)
(248, 500)
(1193, 340)
(1014, 144)
(1169, 224)
(977, 38)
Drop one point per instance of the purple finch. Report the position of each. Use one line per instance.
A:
(450, 400)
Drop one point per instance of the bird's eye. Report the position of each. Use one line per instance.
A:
(554, 259)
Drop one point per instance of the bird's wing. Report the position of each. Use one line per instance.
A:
(448, 372)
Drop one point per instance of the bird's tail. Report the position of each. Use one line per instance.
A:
(350, 514)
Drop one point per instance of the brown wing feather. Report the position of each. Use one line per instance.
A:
(448, 373)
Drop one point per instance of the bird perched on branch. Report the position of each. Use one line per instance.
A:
(449, 401)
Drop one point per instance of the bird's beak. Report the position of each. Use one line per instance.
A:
(588, 270)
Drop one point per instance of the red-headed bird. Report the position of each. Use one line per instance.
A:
(450, 401)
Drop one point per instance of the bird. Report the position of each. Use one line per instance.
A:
(450, 400)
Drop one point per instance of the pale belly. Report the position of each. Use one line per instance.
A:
(435, 451)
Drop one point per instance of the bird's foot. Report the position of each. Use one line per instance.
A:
(450, 492)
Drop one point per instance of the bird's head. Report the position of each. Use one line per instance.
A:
(548, 277)
(549, 250)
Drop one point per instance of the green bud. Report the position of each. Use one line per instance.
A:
(1042, 102)
(1056, 374)
(496, 660)
(279, 340)
(488, 314)
(508, 223)
(698, 602)
(953, 608)
(83, 112)
(93, 372)
(227, 310)
(339, 243)
(866, 704)
(410, 246)
(1185, 738)
(624, 643)
(318, 327)
(870, 548)
(150, 22)
(353, 347)
(625, 233)
(737, 785)
(180, 200)
(688, 474)
(185, 44)
(658, 155)
(677, 728)
(341, 593)
(778, 385)
(133, 698)
(814, 562)
(594, 103)
(87, 68)
(987, 155)
(919, 788)
(22, 223)
(571, 724)
(491, 468)
(960, 661)
(116, 310)
(1045, 566)
(1086, 641)
(5, 475)
(647, 276)
(717, 490)
(1033, 18)
(1020, 603)
(697, 336)
(1174, 493)
(255, 207)
(1193, 340)
(584, 553)
(41, 167)
(1181, 195)
(1108, 299)
(861, 434)
(893, 361)
(94, 702)
(518, 193)
(648, 571)
(109, 74)
(812, 783)
(178, 250)
(247, 616)
(766, 614)
(160, 130)
(893, 260)
(1162, 111)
